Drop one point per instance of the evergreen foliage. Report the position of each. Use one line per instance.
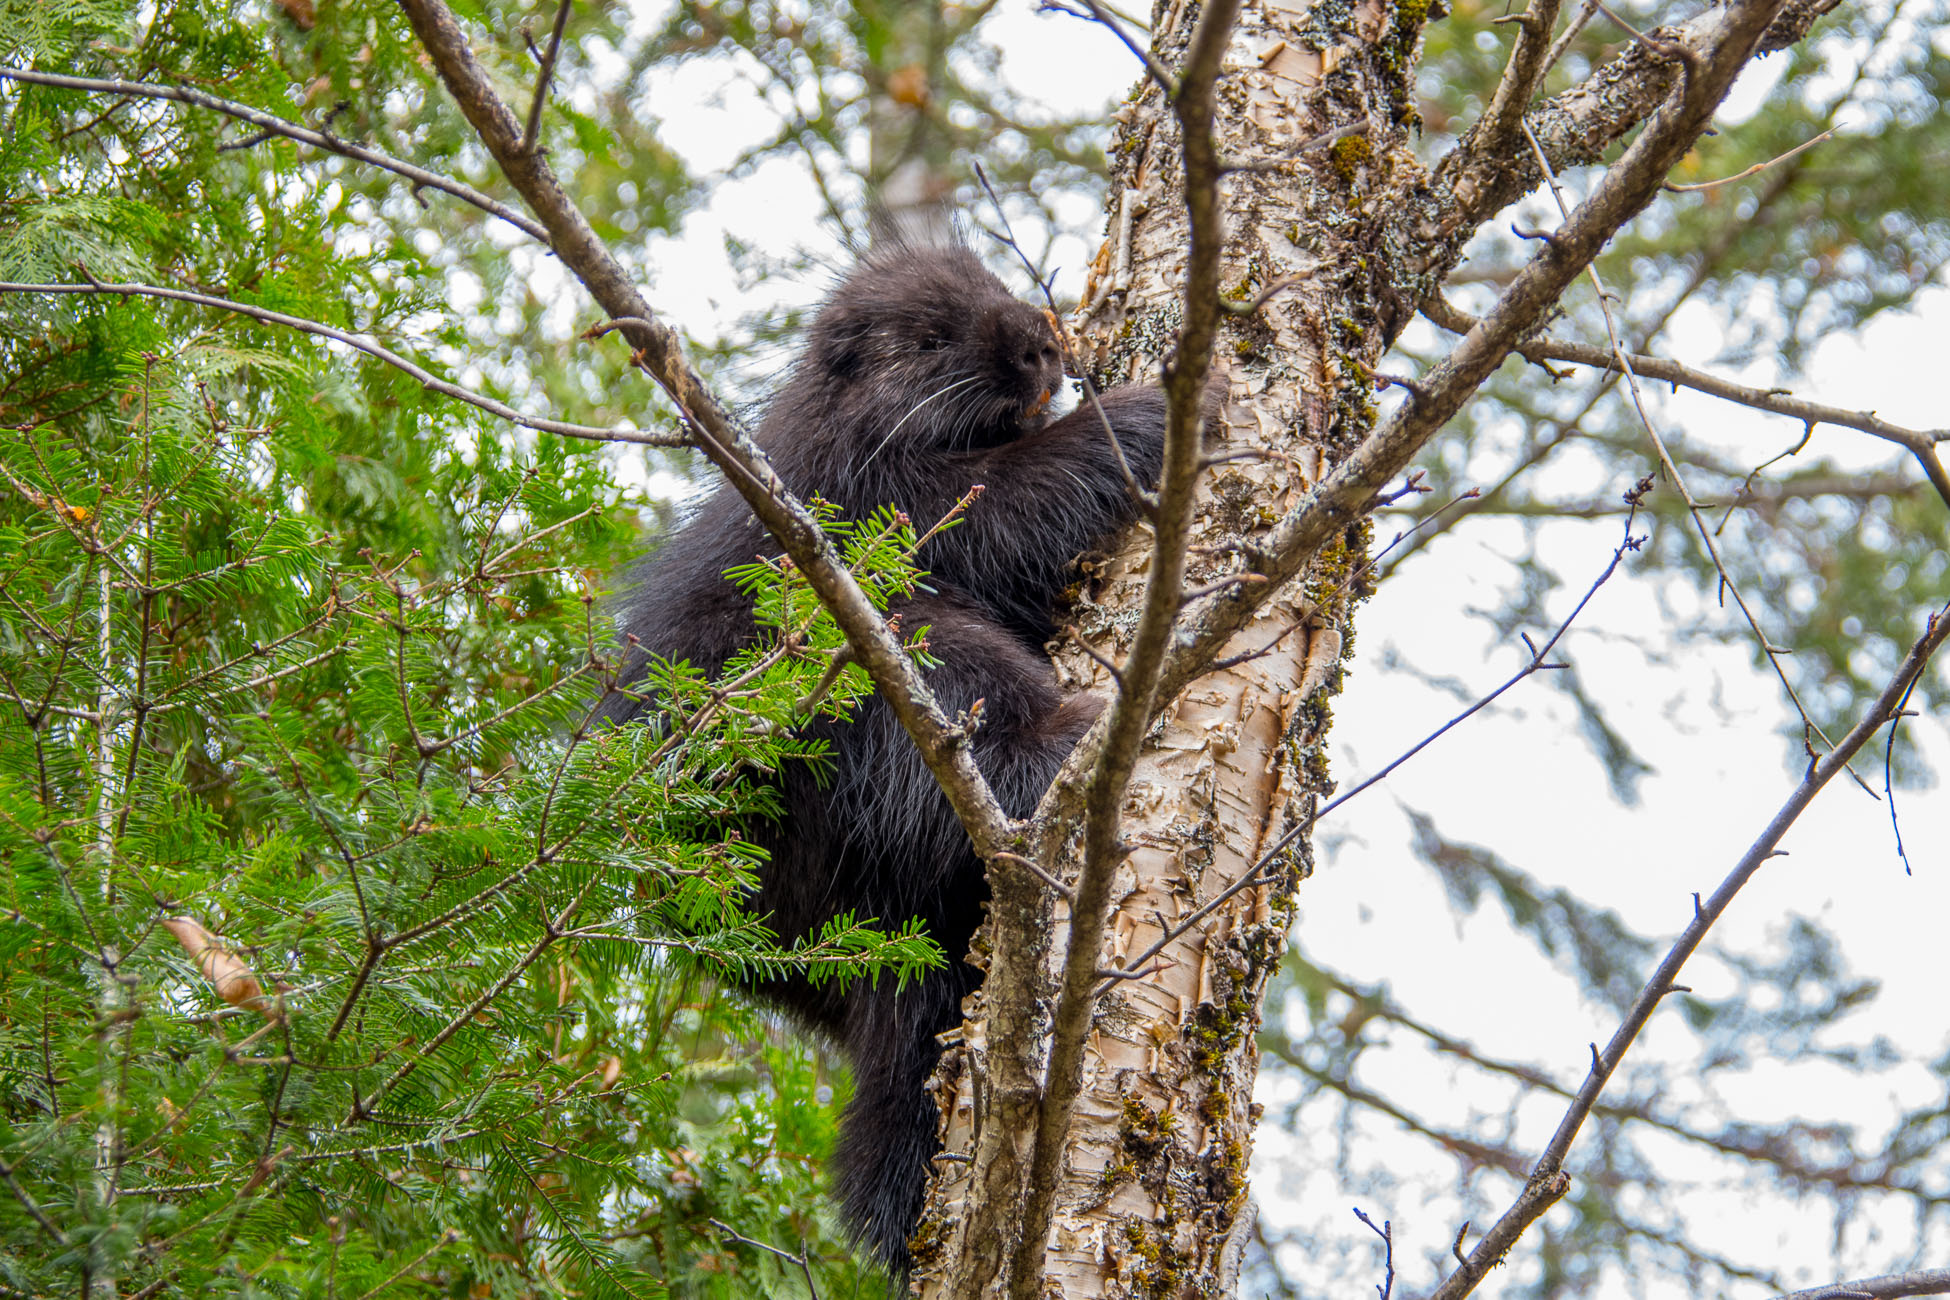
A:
(338, 956)
(335, 933)
(341, 954)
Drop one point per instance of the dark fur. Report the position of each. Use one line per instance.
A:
(917, 382)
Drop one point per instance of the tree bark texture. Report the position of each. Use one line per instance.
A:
(1154, 1200)
(1334, 234)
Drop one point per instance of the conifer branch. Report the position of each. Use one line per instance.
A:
(277, 126)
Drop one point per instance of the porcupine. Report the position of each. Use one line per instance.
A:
(921, 377)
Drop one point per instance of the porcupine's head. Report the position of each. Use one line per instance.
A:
(921, 349)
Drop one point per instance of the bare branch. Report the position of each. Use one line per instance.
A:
(1338, 500)
(660, 353)
(1035, 869)
(1888, 776)
(1386, 1231)
(1664, 49)
(1754, 170)
(1919, 443)
(542, 77)
(359, 343)
(1929, 1281)
(1765, 498)
(786, 1255)
(1114, 741)
(420, 176)
(1548, 1182)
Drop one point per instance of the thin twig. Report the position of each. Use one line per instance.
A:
(1663, 48)
(1035, 869)
(358, 343)
(1769, 650)
(1713, 254)
(1838, 1176)
(553, 928)
(420, 176)
(1386, 1231)
(1888, 783)
(1103, 661)
(528, 135)
(1583, 121)
(1355, 575)
(1754, 170)
(788, 1256)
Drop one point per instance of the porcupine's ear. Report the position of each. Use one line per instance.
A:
(838, 345)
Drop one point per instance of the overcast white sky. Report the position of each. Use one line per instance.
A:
(1521, 779)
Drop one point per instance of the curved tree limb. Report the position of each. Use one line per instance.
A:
(943, 747)
(1548, 1182)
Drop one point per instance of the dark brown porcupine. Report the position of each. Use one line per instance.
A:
(921, 377)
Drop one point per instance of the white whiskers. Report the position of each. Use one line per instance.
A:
(943, 391)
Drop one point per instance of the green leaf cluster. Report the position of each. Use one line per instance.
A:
(343, 950)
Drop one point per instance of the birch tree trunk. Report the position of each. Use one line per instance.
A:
(1116, 1108)
(1154, 1197)
(1098, 1129)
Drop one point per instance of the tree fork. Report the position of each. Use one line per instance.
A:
(1152, 1195)
(1328, 250)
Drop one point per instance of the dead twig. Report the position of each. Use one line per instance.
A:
(542, 77)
